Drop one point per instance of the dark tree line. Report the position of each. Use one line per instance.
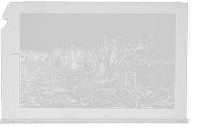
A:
(108, 52)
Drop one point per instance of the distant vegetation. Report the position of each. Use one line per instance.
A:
(74, 53)
(164, 61)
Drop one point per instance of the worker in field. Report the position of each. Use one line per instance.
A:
(57, 63)
(42, 57)
(139, 60)
(101, 67)
(85, 63)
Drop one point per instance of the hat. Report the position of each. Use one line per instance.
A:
(140, 46)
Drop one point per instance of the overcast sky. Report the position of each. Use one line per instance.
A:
(40, 31)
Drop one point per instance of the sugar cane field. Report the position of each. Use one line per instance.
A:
(115, 72)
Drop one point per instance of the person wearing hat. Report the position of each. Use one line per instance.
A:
(85, 64)
(57, 63)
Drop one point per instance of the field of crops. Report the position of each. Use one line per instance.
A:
(115, 73)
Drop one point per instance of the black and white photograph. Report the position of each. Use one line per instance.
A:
(98, 60)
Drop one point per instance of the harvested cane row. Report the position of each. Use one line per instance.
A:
(115, 73)
(80, 90)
